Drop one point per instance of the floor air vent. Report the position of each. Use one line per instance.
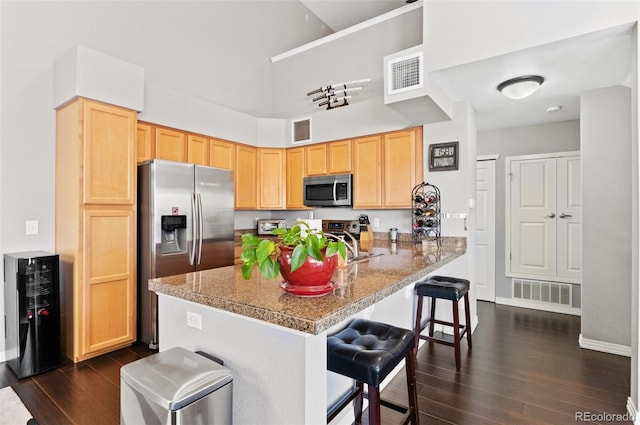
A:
(301, 130)
(405, 73)
(538, 290)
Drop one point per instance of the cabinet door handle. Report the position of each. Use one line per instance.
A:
(563, 215)
(551, 215)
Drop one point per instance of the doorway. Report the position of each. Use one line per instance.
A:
(486, 228)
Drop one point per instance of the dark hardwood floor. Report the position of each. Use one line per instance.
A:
(525, 368)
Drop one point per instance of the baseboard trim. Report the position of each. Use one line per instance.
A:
(605, 347)
(534, 305)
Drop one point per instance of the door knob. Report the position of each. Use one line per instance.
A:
(551, 215)
(563, 215)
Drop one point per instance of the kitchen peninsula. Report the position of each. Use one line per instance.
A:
(275, 342)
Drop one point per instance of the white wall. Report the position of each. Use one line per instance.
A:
(160, 37)
(457, 187)
(355, 57)
(557, 137)
(605, 129)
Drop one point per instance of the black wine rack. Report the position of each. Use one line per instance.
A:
(425, 213)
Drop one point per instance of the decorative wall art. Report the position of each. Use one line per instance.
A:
(443, 156)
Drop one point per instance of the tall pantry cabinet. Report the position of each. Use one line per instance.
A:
(96, 226)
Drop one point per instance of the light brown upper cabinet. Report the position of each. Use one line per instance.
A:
(328, 158)
(367, 172)
(146, 146)
(96, 226)
(386, 168)
(197, 149)
(109, 155)
(339, 157)
(403, 166)
(271, 178)
(171, 144)
(222, 153)
(316, 159)
(245, 177)
(295, 176)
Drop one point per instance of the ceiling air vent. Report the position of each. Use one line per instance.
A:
(405, 73)
(301, 130)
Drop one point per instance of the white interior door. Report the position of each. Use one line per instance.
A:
(569, 218)
(486, 230)
(532, 190)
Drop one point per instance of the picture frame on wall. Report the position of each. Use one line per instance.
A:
(443, 156)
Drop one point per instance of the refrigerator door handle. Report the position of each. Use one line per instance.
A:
(194, 230)
(200, 228)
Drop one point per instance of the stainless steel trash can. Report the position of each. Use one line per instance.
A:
(175, 386)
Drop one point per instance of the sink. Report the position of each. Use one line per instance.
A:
(362, 257)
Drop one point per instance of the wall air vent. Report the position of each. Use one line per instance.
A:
(542, 291)
(405, 73)
(301, 130)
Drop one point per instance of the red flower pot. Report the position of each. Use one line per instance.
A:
(311, 273)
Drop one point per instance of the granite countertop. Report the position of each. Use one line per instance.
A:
(358, 286)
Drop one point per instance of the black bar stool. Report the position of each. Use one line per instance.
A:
(448, 288)
(367, 352)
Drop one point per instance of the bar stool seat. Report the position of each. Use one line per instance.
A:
(448, 288)
(367, 352)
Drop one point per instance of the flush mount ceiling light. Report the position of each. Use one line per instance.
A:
(520, 87)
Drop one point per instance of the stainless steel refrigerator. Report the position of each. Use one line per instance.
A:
(185, 224)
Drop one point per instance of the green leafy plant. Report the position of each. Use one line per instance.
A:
(306, 242)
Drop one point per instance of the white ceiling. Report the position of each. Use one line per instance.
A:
(571, 66)
(341, 14)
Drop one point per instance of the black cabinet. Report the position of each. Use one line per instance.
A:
(32, 312)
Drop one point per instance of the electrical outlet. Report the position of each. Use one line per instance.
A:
(376, 222)
(194, 320)
(32, 227)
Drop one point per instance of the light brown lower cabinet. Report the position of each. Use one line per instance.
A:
(107, 298)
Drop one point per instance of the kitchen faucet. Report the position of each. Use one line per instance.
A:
(353, 248)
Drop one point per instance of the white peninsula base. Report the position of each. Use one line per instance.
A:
(279, 374)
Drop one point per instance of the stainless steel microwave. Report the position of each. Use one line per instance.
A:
(328, 191)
